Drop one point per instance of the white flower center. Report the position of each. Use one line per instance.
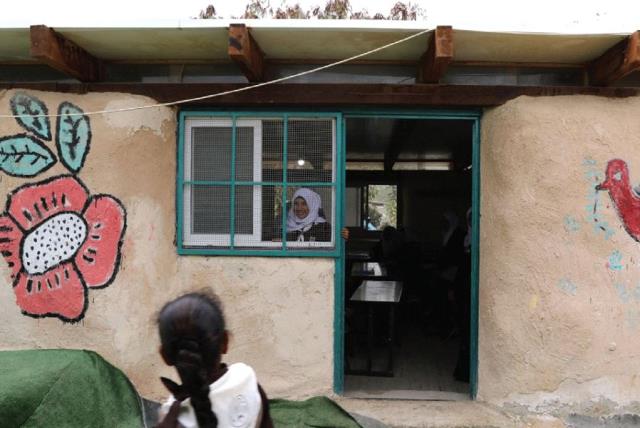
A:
(53, 242)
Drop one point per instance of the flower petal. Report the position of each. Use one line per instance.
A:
(10, 237)
(58, 292)
(99, 256)
(32, 204)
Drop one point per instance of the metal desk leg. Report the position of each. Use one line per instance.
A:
(369, 337)
(392, 330)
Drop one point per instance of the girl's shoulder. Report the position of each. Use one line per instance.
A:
(235, 399)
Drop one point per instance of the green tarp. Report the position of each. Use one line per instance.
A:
(315, 412)
(65, 388)
(73, 388)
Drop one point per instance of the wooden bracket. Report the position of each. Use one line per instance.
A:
(620, 60)
(57, 52)
(439, 54)
(245, 52)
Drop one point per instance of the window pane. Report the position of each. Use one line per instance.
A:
(272, 143)
(210, 210)
(272, 213)
(211, 153)
(310, 150)
(244, 210)
(244, 153)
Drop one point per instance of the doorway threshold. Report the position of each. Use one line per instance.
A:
(408, 394)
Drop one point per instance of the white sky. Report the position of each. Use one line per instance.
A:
(587, 16)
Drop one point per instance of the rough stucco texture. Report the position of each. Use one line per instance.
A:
(279, 311)
(559, 316)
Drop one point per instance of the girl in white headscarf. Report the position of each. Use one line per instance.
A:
(304, 222)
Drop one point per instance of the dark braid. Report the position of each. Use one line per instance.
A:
(191, 331)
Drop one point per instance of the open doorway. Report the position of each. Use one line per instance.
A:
(408, 279)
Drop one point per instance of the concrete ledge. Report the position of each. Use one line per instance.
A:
(437, 414)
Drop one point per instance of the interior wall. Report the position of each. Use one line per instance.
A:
(131, 162)
(559, 314)
(427, 196)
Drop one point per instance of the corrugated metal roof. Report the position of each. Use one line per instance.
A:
(206, 40)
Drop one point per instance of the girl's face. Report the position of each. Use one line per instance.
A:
(300, 208)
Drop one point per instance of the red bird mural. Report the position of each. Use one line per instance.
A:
(624, 197)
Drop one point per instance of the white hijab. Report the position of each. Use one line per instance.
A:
(314, 203)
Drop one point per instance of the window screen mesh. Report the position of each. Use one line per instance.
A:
(244, 153)
(211, 153)
(310, 150)
(272, 145)
(244, 216)
(272, 214)
(210, 214)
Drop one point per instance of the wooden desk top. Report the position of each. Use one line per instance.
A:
(378, 292)
(368, 270)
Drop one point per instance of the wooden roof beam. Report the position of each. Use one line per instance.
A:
(402, 130)
(245, 52)
(57, 52)
(620, 60)
(439, 54)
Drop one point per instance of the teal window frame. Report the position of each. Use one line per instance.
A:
(283, 251)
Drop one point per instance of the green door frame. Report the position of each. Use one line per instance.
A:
(471, 115)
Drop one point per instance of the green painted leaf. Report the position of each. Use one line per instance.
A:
(24, 156)
(28, 106)
(73, 136)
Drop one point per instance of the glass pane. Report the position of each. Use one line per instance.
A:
(272, 143)
(244, 153)
(211, 153)
(210, 210)
(244, 210)
(310, 150)
(272, 213)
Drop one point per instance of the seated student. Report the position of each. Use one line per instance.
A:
(193, 339)
(304, 220)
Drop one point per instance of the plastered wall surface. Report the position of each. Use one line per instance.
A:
(559, 320)
(279, 311)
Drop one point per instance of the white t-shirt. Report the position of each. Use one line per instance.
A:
(234, 397)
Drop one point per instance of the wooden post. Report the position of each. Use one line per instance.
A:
(622, 59)
(439, 54)
(245, 52)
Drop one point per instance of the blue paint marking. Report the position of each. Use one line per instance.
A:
(632, 316)
(594, 176)
(623, 295)
(567, 286)
(615, 261)
(571, 224)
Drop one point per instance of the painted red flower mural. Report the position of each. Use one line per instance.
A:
(59, 241)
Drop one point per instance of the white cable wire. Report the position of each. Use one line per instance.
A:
(220, 94)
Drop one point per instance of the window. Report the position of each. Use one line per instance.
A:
(238, 175)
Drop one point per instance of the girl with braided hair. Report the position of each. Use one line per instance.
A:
(193, 339)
